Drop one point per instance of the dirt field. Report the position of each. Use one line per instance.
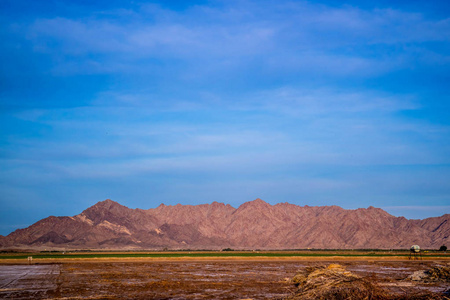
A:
(201, 279)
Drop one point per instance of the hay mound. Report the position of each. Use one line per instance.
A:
(418, 275)
(334, 282)
(439, 273)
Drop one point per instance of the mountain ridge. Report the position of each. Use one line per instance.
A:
(253, 225)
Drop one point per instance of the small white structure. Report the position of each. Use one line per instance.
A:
(30, 259)
(414, 252)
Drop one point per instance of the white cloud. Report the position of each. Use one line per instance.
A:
(298, 36)
(323, 101)
(443, 208)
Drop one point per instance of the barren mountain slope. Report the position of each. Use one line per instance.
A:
(254, 224)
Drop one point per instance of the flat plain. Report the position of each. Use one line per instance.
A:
(168, 276)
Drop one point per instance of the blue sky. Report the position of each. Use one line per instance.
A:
(313, 103)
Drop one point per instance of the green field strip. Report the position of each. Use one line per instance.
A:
(171, 255)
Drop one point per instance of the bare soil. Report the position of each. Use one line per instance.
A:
(188, 279)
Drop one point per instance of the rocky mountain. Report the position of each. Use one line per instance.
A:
(253, 225)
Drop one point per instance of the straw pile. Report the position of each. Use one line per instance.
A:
(437, 273)
(441, 273)
(334, 282)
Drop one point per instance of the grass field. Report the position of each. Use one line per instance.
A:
(220, 254)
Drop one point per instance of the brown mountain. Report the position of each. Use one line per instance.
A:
(254, 224)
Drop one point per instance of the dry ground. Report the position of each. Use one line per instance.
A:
(191, 279)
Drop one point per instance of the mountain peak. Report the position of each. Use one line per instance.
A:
(104, 210)
(257, 203)
(108, 203)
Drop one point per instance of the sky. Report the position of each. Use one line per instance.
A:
(145, 102)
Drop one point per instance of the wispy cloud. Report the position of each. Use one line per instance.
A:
(443, 208)
(418, 211)
(283, 38)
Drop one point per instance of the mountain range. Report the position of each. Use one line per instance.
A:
(253, 225)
